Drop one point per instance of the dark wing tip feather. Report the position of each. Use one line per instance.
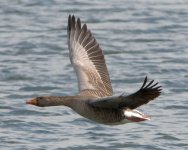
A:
(145, 81)
(78, 23)
(69, 25)
(84, 27)
(73, 19)
(71, 22)
(150, 90)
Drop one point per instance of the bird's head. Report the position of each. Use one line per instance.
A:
(41, 101)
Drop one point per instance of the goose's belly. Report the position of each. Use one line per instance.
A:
(104, 116)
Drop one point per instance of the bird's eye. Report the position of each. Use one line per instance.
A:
(39, 98)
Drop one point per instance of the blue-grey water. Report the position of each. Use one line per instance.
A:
(139, 38)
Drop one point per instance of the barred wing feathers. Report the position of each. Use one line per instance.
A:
(88, 60)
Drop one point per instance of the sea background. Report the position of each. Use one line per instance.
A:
(139, 38)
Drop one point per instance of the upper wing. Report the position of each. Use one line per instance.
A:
(88, 60)
(145, 94)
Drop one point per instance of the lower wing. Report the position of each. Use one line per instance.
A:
(145, 94)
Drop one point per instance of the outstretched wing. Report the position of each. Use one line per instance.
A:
(88, 60)
(145, 94)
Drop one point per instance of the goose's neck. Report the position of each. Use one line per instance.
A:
(57, 100)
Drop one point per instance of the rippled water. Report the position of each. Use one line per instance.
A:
(139, 38)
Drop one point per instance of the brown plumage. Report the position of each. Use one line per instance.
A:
(94, 100)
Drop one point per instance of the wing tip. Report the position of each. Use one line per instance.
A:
(71, 22)
(152, 85)
(74, 24)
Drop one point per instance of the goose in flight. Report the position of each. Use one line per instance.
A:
(95, 99)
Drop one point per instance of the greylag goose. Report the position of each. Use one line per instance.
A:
(95, 99)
